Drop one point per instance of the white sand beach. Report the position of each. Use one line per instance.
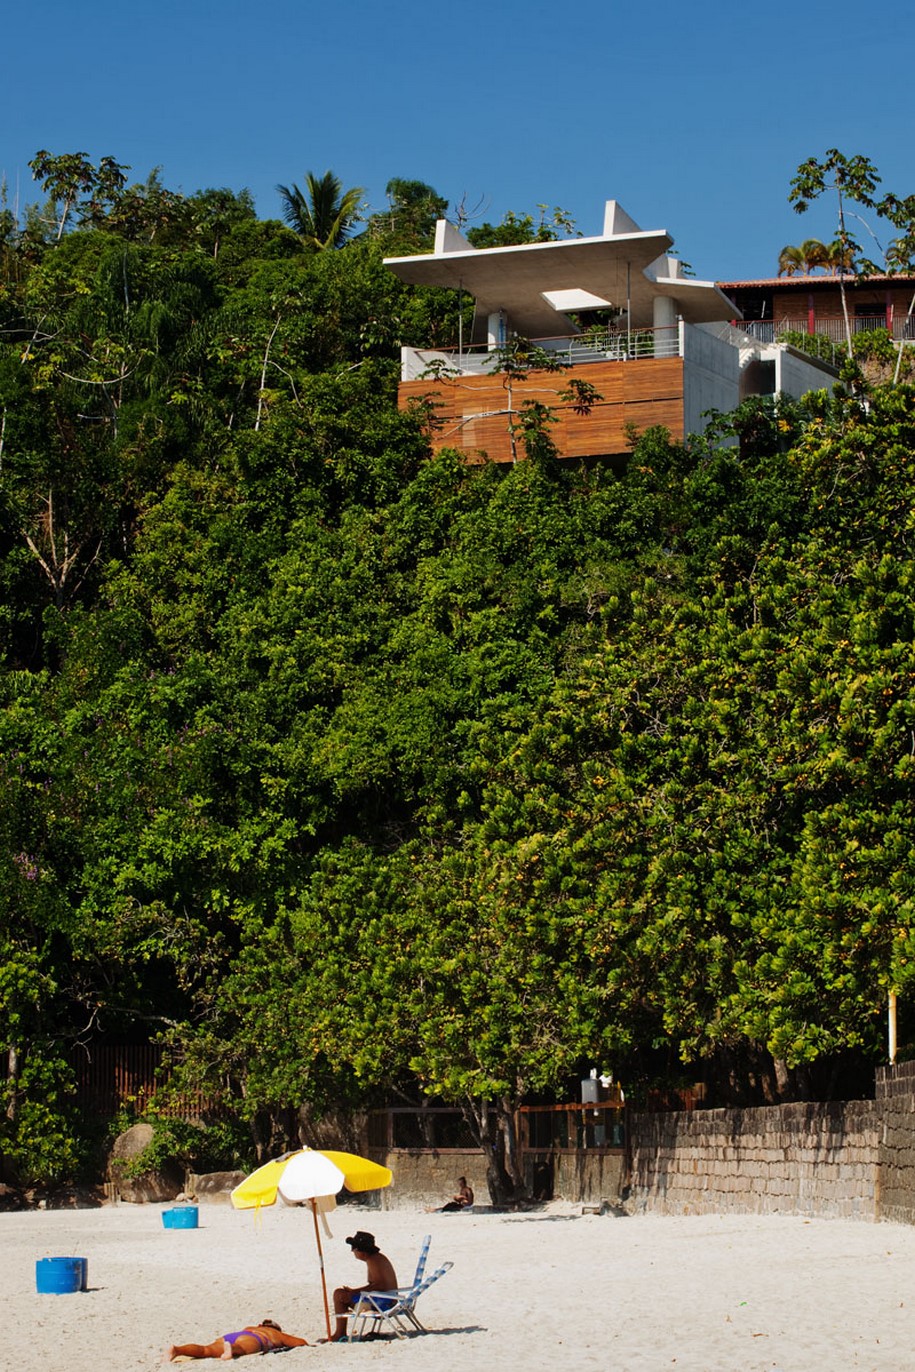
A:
(549, 1290)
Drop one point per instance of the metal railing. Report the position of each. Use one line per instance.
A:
(829, 326)
(615, 345)
(597, 345)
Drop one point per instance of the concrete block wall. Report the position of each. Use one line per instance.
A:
(896, 1143)
(429, 1178)
(806, 1159)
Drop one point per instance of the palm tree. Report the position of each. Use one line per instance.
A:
(324, 213)
(790, 261)
(810, 255)
(839, 258)
(816, 254)
(414, 208)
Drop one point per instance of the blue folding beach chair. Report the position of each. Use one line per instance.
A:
(397, 1309)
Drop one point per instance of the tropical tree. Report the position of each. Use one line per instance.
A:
(148, 212)
(216, 211)
(839, 258)
(324, 213)
(524, 228)
(852, 179)
(409, 222)
(855, 180)
(816, 254)
(790, 261)
(804, 259)
(73, 183)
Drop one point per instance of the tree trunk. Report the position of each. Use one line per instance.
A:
(12, 1076)
(782, 1078)
(487, 1133)
(265, 364)
(493, 1127)
(851, 351)
(511, 1155)
(843, 239)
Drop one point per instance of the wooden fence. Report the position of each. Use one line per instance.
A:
(110, 1077)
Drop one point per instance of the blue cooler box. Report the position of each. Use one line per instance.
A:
(180, 1217)
(61, 1276)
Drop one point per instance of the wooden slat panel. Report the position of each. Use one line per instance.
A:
(109, 1076)
(472, 414)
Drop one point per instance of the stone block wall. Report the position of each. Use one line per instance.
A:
(805, 1159)
(850, 1159)
(896, 1143)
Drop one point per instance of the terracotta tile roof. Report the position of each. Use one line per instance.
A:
(799, 280)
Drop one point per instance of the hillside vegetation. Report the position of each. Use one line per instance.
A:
(348, 773)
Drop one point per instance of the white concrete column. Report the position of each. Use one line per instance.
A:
(495, 330)
(665, 317)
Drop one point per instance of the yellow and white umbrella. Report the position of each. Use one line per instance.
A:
(312, 1177)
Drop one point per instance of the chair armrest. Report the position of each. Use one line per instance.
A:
(395, 1295)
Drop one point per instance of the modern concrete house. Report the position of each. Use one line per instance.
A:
(615, 310)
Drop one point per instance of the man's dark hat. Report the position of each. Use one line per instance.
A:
(363, 1241)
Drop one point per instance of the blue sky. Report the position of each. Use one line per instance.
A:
(693, 117)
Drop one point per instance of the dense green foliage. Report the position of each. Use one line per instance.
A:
(348, 772)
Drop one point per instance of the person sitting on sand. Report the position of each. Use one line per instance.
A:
(380, 1275)
(254, 1338)
(461, 1200)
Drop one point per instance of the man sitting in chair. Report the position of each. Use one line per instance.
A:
(380, 1275)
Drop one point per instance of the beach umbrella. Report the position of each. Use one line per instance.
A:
(312, 1177)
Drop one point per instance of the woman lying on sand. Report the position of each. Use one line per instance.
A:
(254, 1338)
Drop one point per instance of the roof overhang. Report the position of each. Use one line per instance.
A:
(699, 302)
(618, 269)
(515, 279)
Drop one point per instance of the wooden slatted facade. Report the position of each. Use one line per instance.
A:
(110, 1076)
(471, 411)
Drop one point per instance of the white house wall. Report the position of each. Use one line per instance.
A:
(711, 375)
(796, 374)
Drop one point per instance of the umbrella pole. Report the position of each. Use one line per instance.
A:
(314, 1214)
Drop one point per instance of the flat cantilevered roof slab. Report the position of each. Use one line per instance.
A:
(514, 279)
(699, 302)
(614, 266)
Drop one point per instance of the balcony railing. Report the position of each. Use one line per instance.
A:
(831, 327)
(597, 345)
(615, 345)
